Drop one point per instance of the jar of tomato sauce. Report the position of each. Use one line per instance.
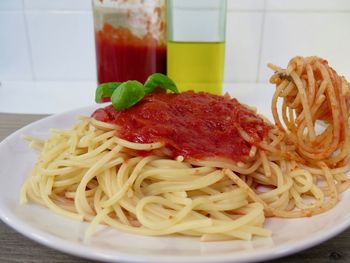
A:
(130, 37)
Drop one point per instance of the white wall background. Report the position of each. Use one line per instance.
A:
(52, 40)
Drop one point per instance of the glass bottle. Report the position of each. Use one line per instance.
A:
(196, 44)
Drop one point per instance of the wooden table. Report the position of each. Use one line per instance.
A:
(17, 248)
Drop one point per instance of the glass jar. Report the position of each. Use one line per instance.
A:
(130, 37)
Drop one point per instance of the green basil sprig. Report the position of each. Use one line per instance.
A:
(160, 80)
(105, 90)
(126, 94)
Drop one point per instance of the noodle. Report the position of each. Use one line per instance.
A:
(88, 173)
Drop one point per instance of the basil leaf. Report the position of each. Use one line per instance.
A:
(127, 94)
(105, 90)
(160, 80)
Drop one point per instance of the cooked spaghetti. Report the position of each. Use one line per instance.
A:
(136, 172)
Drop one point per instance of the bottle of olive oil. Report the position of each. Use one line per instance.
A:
(196, 66)
(196, 44)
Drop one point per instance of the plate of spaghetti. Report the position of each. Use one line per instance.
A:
(192, 177)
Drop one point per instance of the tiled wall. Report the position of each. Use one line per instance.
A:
(48, 40)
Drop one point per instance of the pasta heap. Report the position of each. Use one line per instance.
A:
(90, 174)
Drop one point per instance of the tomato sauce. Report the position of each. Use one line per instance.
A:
(122, 56)
(194, 125)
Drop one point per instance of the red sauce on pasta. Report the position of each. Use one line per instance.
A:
(194, 125)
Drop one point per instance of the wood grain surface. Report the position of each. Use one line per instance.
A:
(17, 248)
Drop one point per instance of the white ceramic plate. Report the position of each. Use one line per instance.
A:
(40, 224)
